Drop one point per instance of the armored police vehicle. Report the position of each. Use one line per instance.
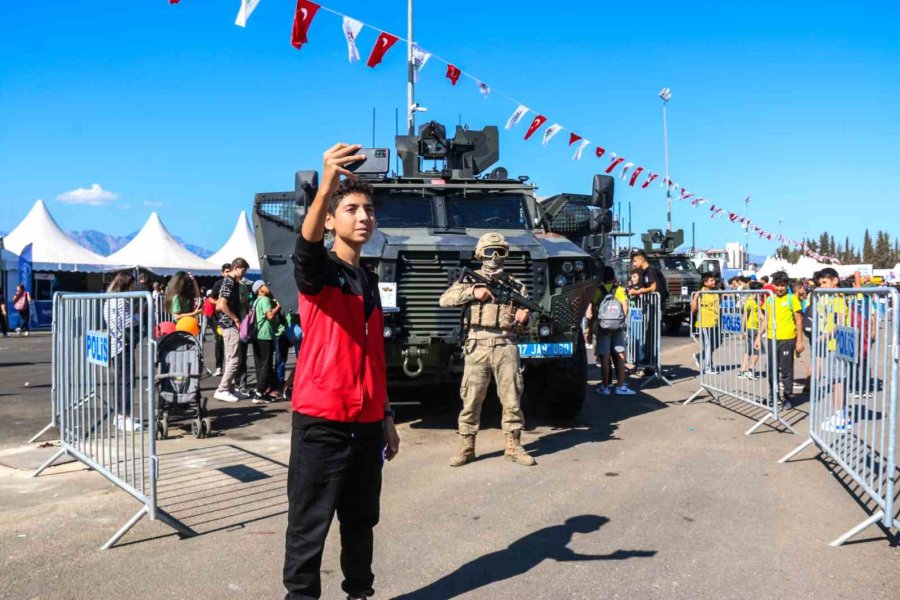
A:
(428, 222)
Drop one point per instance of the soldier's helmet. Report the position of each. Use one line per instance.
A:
(490, 240)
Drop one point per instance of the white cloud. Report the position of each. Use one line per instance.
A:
(93, 196)
(152, 204)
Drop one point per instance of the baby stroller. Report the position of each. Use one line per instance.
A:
(179, 364)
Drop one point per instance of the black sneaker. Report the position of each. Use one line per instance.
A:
(786, 404)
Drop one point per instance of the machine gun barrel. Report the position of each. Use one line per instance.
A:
(502, 289)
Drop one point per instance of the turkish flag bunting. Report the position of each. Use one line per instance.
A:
(382, 45)
(634, 176)
(535, 125)
(173, 1)
(453, 74)
(650, 179)
(573, 137)
(615, 163)
(303, 17)
(600, 151)
(732, 216)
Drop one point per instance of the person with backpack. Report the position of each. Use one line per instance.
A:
(264, 313)
(22, 304)
(608, 314)
(229, 308)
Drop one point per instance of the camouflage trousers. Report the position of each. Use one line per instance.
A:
(482, 362)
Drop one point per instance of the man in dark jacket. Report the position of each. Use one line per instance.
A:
(343, 426)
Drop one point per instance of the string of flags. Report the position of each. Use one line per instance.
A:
(635, 174)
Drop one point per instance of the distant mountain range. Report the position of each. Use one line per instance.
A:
(105, 244)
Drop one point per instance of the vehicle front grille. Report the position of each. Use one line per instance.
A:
(423, 276)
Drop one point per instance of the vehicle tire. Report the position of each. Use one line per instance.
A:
(672, 326)
(557, 390)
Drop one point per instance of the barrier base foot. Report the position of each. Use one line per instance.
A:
(41, 432)
(49, 461)
(865, 524)
(694, 396)
(182, 529)
(656, 375)
(795, 451)
(783, 423)
(125, 528)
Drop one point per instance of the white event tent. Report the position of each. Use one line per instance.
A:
(154, 249)
(52, 249)
(241, 243)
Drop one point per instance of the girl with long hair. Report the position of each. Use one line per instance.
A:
(122, 315)
(183, 296)
(22, 304)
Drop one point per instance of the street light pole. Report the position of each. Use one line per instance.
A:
(665, 95)
(410, 79)
(746, 233)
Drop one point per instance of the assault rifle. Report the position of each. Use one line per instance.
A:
(502, 289)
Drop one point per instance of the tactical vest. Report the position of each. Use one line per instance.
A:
(492, 315)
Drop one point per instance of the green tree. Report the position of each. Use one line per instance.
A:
(824, 247)
(847, 255)
(881, 256)
(832, 247)
(868, 249)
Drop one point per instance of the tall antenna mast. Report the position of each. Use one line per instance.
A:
(410, 73)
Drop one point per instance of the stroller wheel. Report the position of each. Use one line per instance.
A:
(197, 428)
(162, 429)
(206, 424)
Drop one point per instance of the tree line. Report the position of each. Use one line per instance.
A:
(881, 253)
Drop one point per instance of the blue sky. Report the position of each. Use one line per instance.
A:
(175, 109)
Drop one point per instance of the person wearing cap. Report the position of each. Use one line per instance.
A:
(267, 311)
(490, 351)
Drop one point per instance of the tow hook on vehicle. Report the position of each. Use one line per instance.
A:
(415, 354)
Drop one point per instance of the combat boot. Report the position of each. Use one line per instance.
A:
(515, 452)
(466, 453)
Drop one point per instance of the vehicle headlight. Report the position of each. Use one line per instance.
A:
(567, 267)
(544, 330)
(388, 331)
(560, 280)
(579, 266)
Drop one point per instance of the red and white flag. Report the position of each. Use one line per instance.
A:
(303, 17)
(634, 176)
(573, 137)
(650, 179)
(581, 147)
(382, 45)
(615, 163)
(453, 74)
(484, 89)
(600, 151)
(625, 169)
(517, 115)
(420, 57)
(535, 125)
(244, 12)
(352, 27)
(550, 132)
(685, 194)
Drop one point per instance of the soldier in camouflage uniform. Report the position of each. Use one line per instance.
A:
(490, 349)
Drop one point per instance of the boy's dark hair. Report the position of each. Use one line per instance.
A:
(226, 267)
(707, 275)
(827, 273)
(780, 278)
(609, 274)
(240, 263)
(744, 279)
(349, 186)
(635, 272)
(731, 280)
(755, 285)
(764, 279)
(640, 253)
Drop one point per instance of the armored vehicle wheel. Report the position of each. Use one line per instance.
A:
(557, 389)
(672, 326)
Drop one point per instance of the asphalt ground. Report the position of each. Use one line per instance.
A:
(638, 497)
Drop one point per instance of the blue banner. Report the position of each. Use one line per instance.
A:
(25, 268)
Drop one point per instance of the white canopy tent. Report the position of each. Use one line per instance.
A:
(772, 265)
(154, 249)
(240, 244)
(52, 249)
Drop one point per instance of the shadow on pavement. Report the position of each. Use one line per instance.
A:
(520, 557)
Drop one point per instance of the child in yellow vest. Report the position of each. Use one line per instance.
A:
(785, 330)
(706, 308)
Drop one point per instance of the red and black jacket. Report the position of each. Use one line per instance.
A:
(340, 373)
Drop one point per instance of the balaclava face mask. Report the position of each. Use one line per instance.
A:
(493, 266)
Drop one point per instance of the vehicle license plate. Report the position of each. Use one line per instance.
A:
(545, 350)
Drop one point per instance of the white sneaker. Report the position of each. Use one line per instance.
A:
(217, 373)
(225, 396)
(624, 390)
(710, 372)
(26, 334)
(18, 331)
(603, 390)
(128, 424)
(743, 375)
(836, 423)
(751, 376)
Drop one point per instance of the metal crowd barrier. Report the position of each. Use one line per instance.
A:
(103, 375)
(161, 312)
(644, 335)
(727, 327)
(55, 341)
(853, 401)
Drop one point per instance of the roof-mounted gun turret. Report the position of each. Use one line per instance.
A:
(469, 153)
(667, 242)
